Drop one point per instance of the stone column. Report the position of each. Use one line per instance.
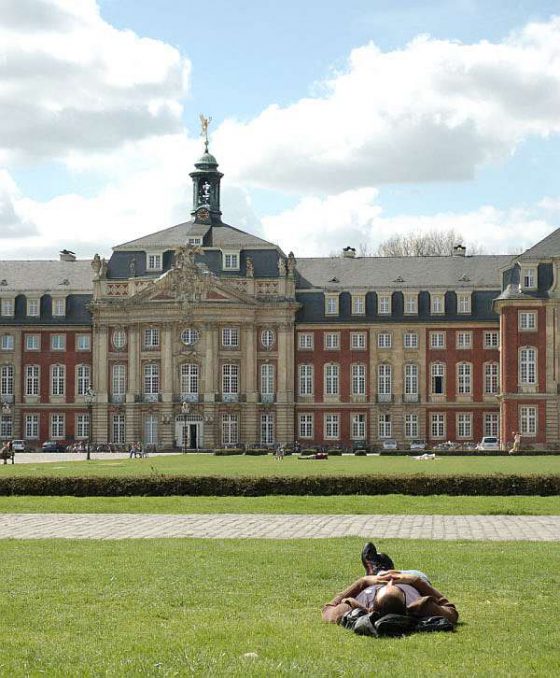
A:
(166, 348)
(210, 363)
(99, 411)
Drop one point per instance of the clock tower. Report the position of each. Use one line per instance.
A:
(206, 184)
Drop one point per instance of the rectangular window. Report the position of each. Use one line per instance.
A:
(230, 379)
(306, 426)
(57, 426)
(527, 320)
(118, 380)
(59, 307)
(464, 378)
(267, 379)
(332, 341)
(267, 429)
(154, 262)
(331, 380)
(358, 427)
(230, 261)
(528, 365)
(491, 378)
(384, 340)
(385, 427)
(464, 303)
(464, 425)
(58, 342)
(411, 304)
(384, 304)
(384, 382)
(491, 339)
(358, 380)
(194, 240)
(151, 338)
(83, 342)
(305, 379)
(411, 426)
(357, 341)
(82, 426)
(151, 380)
(33, 307)
(7, 380)
(437, 425)
(411, 381)
(331, 304)
(230, 429)
(491, 424)
(57, 380)
(32, 380)
(7, 307)
(7, 342)
(437, 339)
(410, 340)
(438, 378)
(230, 337)
(305, 341)
(83, 379)
(530, 278)
(118, 429)
(464, 340)
(31, 426)
(437, 304)
(528, 420)
(151, 429)
(332, 426)
(358, 304)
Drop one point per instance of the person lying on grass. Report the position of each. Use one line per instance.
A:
(389, 591)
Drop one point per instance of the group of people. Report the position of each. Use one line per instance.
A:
(137, 450)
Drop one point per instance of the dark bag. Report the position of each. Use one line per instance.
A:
(394, 625)
(429, 624)
(351, 617)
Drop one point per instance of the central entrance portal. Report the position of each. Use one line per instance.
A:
(189, 431)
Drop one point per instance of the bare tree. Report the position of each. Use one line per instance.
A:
(429, 244)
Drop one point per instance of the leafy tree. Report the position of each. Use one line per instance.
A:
(429, 244)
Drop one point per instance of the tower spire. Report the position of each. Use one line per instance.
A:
(206, 182)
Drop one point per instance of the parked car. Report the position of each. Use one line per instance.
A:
(489, 443)
(390, 444)
(21, 446)
(417, 445)
(54, 446)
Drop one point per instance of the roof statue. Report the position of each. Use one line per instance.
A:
(204, 122)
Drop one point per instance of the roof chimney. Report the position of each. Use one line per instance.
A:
(67, 255)
(349, 252)
(459, 250)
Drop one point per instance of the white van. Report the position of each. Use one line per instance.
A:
(489, 443)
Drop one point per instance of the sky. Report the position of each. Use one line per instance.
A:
(335, 123)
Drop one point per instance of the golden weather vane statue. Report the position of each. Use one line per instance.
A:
(204, 122)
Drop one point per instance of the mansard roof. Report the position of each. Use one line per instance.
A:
(46, 277)
(218, 235)
(400, 273)
(545, 249)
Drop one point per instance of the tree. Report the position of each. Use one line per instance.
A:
(429, 244)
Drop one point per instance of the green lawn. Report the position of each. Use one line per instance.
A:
(196, 607)
(267, 466)
(443, 505)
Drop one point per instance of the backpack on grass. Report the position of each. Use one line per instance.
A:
(391, 625)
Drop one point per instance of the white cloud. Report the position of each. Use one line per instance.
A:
(320, 227)
(434, 110)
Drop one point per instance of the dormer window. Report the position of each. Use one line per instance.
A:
(153, 261)
(331, 304)
(33, 307)
(438, 303)
(230, 261)
(384, 304)
(463, 303)
(194, 240)
(59, 307)
(7, 307)
(529, 277)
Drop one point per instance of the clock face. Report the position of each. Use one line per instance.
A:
(202, 215)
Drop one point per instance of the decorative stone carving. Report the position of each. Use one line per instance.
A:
(250, 268)
(96, 266)
(291, 264)
(281, 267)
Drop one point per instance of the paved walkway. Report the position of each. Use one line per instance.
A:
(50, 457)
(224, 526)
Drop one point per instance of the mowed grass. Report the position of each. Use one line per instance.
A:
(197, 607)
(197, 464)
(365, 505)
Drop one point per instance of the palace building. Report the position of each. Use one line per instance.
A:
(202, 335)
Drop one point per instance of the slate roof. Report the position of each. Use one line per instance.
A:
(46, 277)
(400, 273)
(547, 247)
(222, 236)
(513, 291)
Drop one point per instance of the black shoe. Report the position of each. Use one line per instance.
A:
(369, 554)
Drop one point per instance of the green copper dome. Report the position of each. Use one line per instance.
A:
(206, 161)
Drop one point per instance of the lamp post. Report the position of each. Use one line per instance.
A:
(89, 397)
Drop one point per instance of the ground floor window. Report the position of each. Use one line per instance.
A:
(385, 426)
(528, 420)
(358, 427)
(6, 426)
(57, 426)
(437, 425)
(151, 429)
(305, 428)
(411, 426)
(230, 429)
(267, 429)
(118, 433)
(332, 426)
(82, 426)
(31, 426)
(491, 424)
(464, 425)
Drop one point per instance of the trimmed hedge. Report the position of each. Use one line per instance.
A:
(221, 486)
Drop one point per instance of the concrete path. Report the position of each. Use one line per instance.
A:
(225, 526)
(50, 457)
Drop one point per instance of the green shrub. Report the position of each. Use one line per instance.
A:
(227, 452)
(257, 452)
(335, 452)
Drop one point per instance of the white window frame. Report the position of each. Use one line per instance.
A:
(83, 342)
(7, 342)
(332, 426)
(151, 429)
(305, 379)
(83, 379)
(7, 307)
(230, 260)
(151, 338)
(358, 426)
(491, 378)
(410, 340)
(410, 304)
(32, 380)
(358, 341)
(267, 428)
(305, 341)
(82, 426)
(464, 378)
(33, 309)
(464, 304)
(437, 304)
(57, 425)
(332, 379)
(437, 371)
(411, 427)
(438, 425)
(464, 425)
(31, 426)
(58, 380)
(437, 340)
(384, 304)
(7, 374)
(358, 379)
(384, 340)
(332, 341)
(230, 429)
(491, 424)
(358, 304)
(189, 376)
(384, 380)
(154, 261)
(305, 425)
(411, 379)
(58, 342)
(528, 321)
(58, 307)
(118, 429)
(529, 278)
(230, 379)
(230, 337)
(464, 340)
(119, 339)
(267, 378)
(491, 339)
(528, 374)
(118, 379)
(151, 379)
(528, 420)
(331, 304)
(384, 425)
(267, 338)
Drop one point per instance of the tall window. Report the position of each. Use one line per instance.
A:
(33, 307)
(230, 337)
(331, 305)
(358, 304)
(59, 307)
(57, 380)
(32, 380)
(230, 379)
(118, 379)
(437, 425)
(189, 379)
(384, 304)
(411, 426)
(306, 426)
(438, 303)
(7, 380)
(530, 278)
(464, 303)
(358, 428)
(151, 337)
(151, 379)
(7, 307)
(410, 304)
(385, 427)
(83, 378)
(82, 426)
(411, 380)
(31, 426)
(332, 426)
(464, 425)
(230, 429)
(267, 379)
(491, 424)
(528, 420)
(267, 429)
(151, 429)
(528, 365)
(305, 379)
(57, 426)
(384, 379)
(491, 378)
(331, 380)
(358, 380)
(118, 429)
(438, 378)
(464, 378)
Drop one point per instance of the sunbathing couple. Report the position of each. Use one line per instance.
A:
(389, 591)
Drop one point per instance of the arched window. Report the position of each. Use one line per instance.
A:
(528, 365)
